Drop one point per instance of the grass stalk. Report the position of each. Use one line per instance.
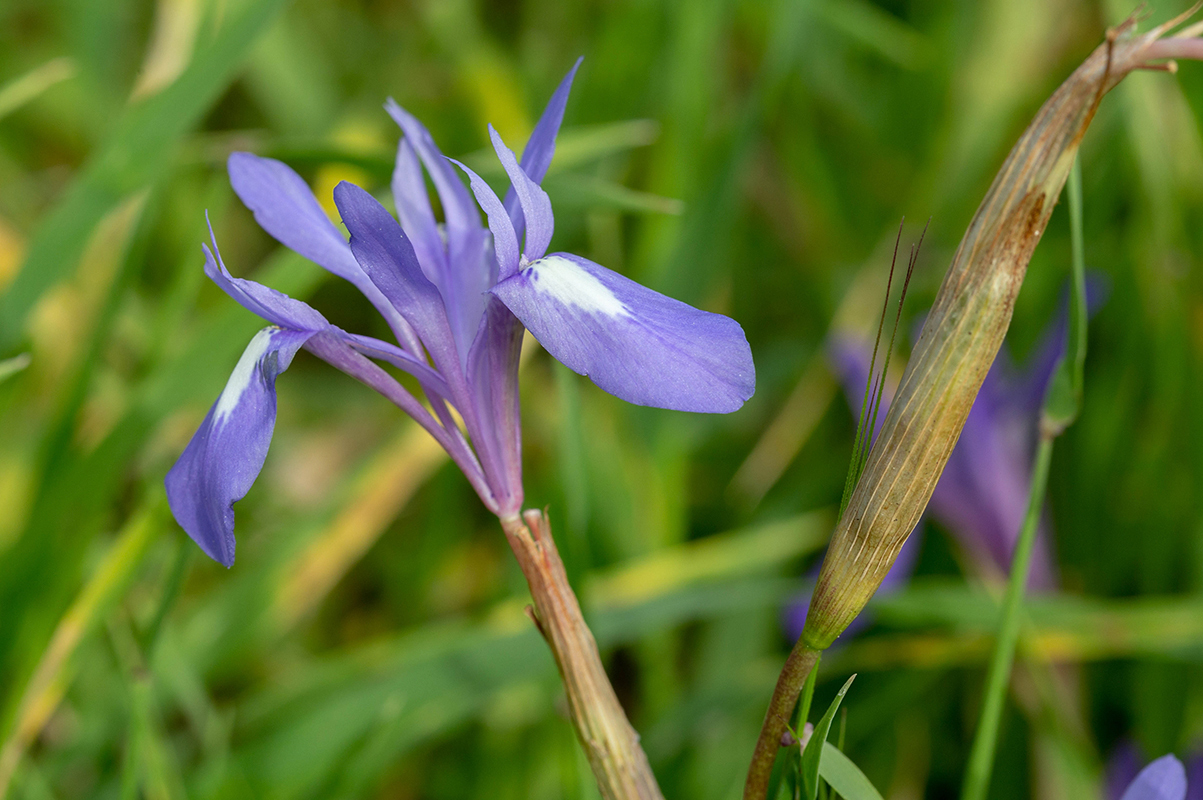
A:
(981, 758)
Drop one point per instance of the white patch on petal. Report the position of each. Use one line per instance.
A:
(243, 374)
(571, 285)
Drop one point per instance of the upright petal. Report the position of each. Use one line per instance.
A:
(227, 452)
(462, 268)
(636, 344)
(458, 210)
(381, 248)
(417, 218)
(536, 206)
(536, 156)
(505, 240)
(493, 376)
(1164, 779)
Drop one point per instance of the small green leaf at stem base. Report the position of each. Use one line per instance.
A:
(812, 755)
(844, 776)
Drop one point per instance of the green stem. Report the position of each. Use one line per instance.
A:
(981, 759)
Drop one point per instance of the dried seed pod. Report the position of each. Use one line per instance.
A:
(964, 331)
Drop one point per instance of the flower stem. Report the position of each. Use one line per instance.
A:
(981, 758)
(801, 662)
(611, 744)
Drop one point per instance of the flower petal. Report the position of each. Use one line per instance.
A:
(383, 351)
(275, 307)
(458, 209)
(417, 218)
(384, 252)
(536, 206)
(536, 156)
(285, 207)
(227, 452)
(636, 344)
(463, 268)
(1164, 779)
(505, 239)
(493, 376)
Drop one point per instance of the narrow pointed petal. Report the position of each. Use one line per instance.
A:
(275, 307)
(536, 206)
(227, 452)
(381, 248)
(383, 351)
(493, 375)
(1164, 779)
(285, 207)
(505, 239)
(458, 209)
(632, 342)
(465, 271)
(537, 155)
(417, 218)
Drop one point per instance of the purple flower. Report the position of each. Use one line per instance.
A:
(1124, 775)
(456, 297)
(1164, 779)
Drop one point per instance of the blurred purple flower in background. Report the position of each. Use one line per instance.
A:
(982, 494)
(1163, 779)
(456, 296)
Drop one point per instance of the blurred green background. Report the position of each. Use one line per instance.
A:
(752, 158)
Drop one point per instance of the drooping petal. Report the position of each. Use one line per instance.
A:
(1164, 779)
(505, 240)
(536, 206)
(637, 344)
(385, 254)
(537, 155)
(275, 307)
(285, 207)
(417, 218)
(227, 452)
(459, 212)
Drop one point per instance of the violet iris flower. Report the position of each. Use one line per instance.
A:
(1166, 775)
(456, 297)
(1163, 779)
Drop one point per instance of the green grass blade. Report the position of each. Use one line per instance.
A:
(844, 776)
(142, 145)
(20, 91)
(813, 753)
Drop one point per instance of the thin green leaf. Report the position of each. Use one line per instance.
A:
(813, 753)
(1063, 400)
(807, 697)
(844, 776)
(27, 87)
(12, 366)
(143, 144)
